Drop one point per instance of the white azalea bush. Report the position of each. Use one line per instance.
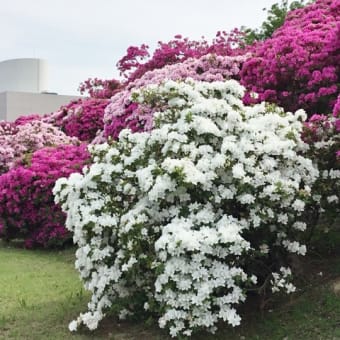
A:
(175, 223)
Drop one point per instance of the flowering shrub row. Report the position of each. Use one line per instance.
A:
(297, 68)
(170, 218)
(169, 221)
(27, 210)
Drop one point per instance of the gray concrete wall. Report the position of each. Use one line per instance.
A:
(15, 104)
(3, 106)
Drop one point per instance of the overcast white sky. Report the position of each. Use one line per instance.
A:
(85, 38)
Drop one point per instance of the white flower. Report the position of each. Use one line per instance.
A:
(302, 226)
(191, 173)
(73, 326)
(290, 288)
(298, 205)
(129, 264)
(334, 174)
(233, 318)
(176, 102)
(238, 171)
(282, 218)
(145, 177)
(91, 319)
(295, 247)
(205, 125)
(333, 199)
(280, 281)
(264, 249)
(161, 185)
(286, 271)
(229, 230)
(246, 199)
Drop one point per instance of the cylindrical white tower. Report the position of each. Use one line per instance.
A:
(23, 75)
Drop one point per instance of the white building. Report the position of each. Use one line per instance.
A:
(23, 89)
(23, 75)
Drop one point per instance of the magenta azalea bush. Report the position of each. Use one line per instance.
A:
(27, 209)
(299, 67)
(82, 118)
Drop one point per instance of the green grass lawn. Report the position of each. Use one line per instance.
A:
(40, 293)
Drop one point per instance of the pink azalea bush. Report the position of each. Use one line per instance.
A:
(122, 112)
(136, 63)
(27, 209)
(20, 139)
(299, 67)
(82, 118)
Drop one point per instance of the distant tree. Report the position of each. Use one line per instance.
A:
(275, 18)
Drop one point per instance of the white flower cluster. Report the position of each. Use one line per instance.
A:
(166, 221)
(281, 280)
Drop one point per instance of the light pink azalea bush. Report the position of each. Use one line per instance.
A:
(122, 112)
(7, 129)
(19, 140)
